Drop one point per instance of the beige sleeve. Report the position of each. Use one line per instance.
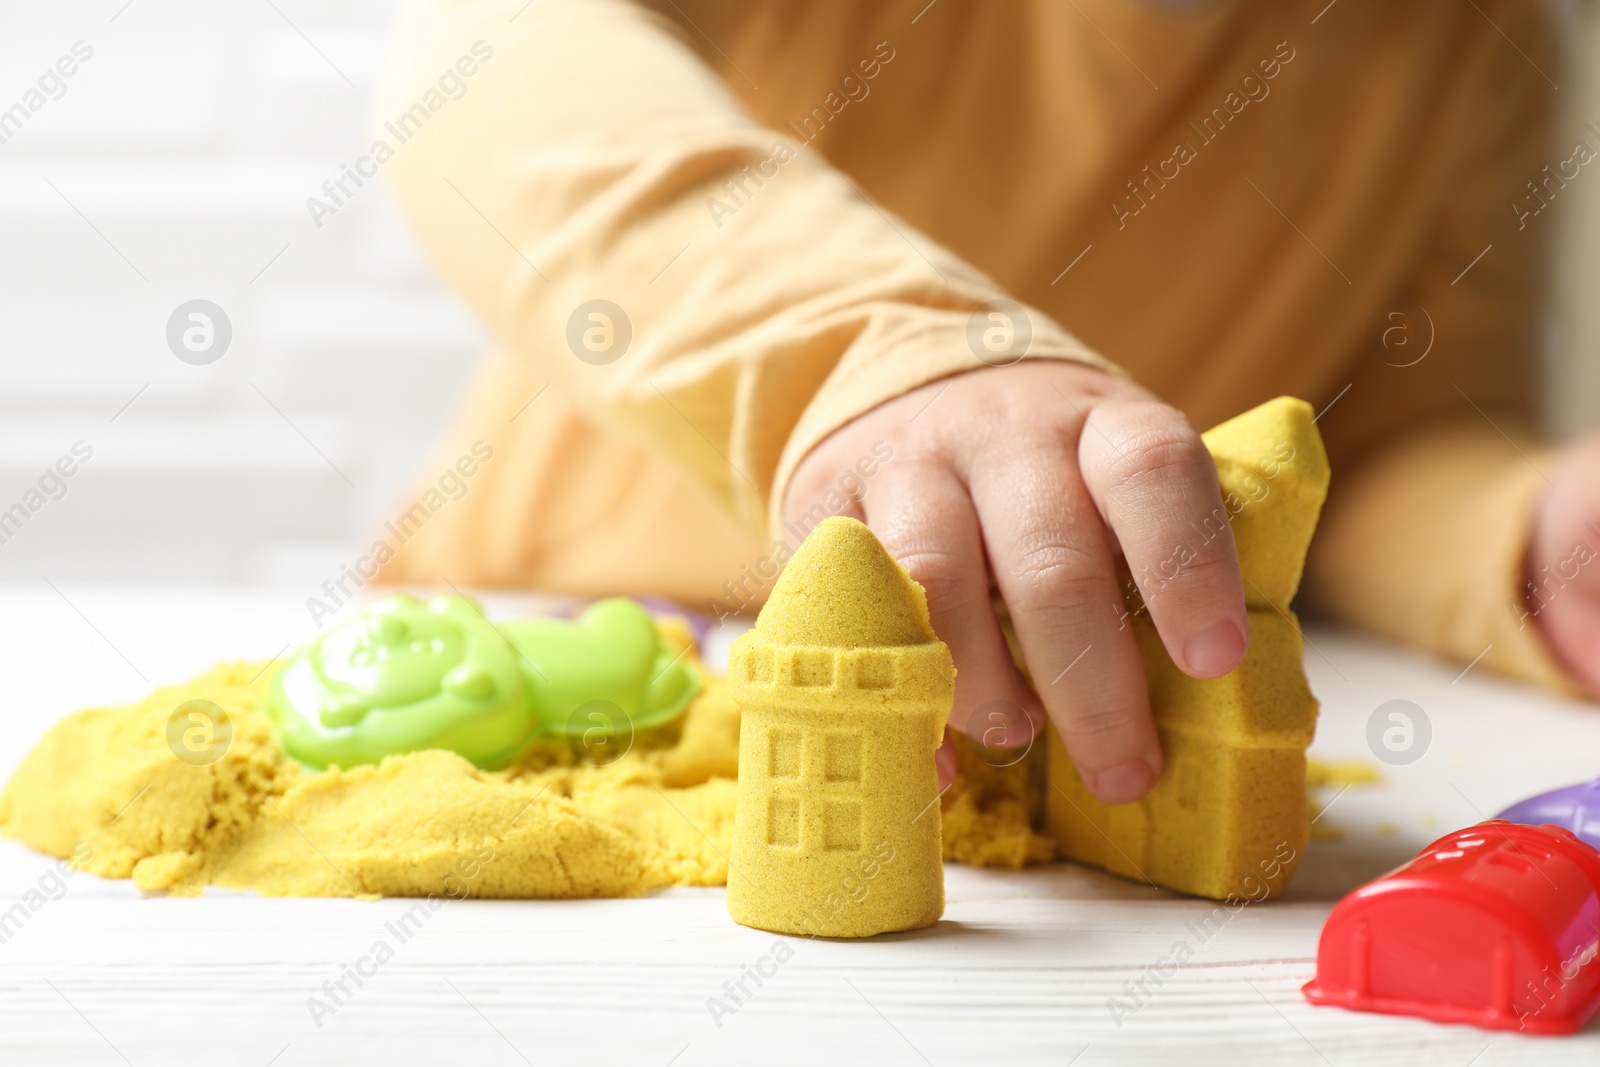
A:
(1429, 549)
(595, 156)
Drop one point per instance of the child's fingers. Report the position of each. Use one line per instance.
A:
(815, 494)
(1053, 564)
(1156, 485)
(923, 514)
(1562, 595)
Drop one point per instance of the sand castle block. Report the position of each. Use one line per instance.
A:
(844, 691)
(1274, 476)
(1227, 820)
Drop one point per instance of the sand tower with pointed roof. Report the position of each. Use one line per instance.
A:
(844, 692)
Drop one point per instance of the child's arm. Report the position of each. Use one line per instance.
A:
(595, 156)
(582, 163)
(1439, 483)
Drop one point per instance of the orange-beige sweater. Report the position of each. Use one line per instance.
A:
(796, 205)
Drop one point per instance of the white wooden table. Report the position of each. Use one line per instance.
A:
(1020, 971)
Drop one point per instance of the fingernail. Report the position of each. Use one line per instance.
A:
(1215, 650)
(1124, 783)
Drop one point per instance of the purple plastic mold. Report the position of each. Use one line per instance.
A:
(1575, 808)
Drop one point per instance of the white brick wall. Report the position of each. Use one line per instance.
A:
(190, 141)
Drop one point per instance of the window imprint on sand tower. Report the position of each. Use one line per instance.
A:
(1189, 783)
(758, 665)
(783, 752)
(841, 756)
(783, 821)
(874, 671)
(812, 669)
(841, 831)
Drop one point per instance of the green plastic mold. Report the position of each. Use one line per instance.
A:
(405, 675)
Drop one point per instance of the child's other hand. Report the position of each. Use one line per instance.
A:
(1033, 478)
(1564, 562)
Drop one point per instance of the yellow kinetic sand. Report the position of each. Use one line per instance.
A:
(1228, 818)
(844, 691)
(104, 787)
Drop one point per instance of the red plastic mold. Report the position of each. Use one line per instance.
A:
(1497, 925)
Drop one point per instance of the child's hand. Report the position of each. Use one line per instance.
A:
(1033, 478)
(1564, 562)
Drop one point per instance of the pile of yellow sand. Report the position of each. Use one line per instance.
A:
(424, 823)
(430, 822)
